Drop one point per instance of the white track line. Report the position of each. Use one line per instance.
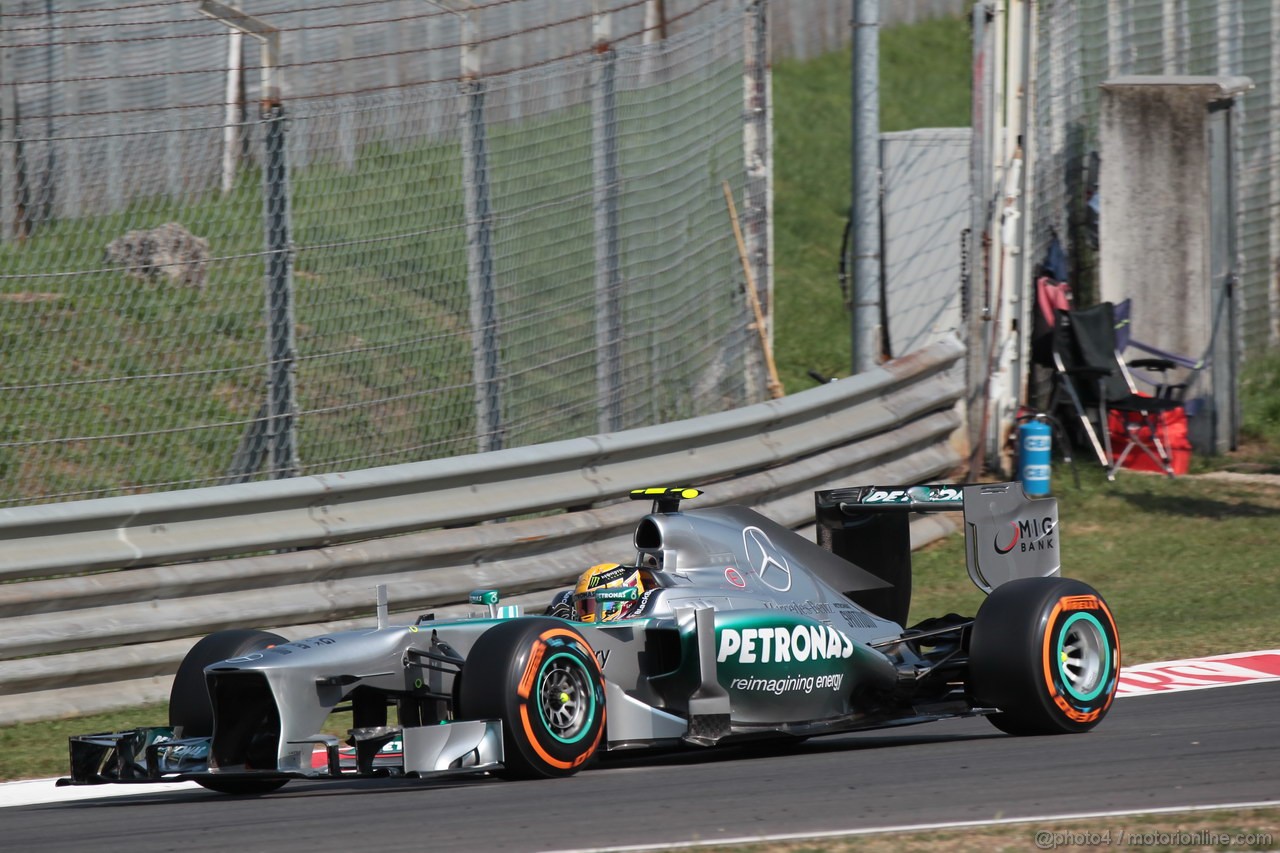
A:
(918, 827)
(35, 792)
(1140, 680)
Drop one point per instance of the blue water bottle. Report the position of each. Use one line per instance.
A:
(1035, 447)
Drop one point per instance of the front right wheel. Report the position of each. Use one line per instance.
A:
(1046, 652)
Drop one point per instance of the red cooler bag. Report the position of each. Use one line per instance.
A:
(1173, 433)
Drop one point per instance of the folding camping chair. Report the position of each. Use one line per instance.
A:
(1189, 366)
(1091, 379)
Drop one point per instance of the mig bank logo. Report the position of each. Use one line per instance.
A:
(765, 558)
(1033, 534)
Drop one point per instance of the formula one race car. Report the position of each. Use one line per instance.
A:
(744, 630)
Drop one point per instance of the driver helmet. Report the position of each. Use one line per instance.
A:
(605, 576)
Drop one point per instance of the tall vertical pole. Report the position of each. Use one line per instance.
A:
(174, 161)
(758, 159)
(486, 363)
(71, 190)
(1171, 35)
(608, 284)
(484, 308)
(655, 21)
(48, 185)
(977, 287)
(116, 128)
(866, 184)
(232, 117)
(8, 142)
(1273, 140)
(282, 451)
(281, 403)
(997, 381)
(1024, 265)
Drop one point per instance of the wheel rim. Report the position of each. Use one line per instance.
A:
(1083, 656)
(566, 700)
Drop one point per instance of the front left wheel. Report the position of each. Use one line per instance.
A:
(191, 709)
(541, 678)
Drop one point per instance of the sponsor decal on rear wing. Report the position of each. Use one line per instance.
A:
(1008, 534)
(859, 499)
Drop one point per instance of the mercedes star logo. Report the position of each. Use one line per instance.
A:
(766, 559)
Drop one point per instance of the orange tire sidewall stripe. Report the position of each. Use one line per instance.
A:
(533, 741)
(1074, 603)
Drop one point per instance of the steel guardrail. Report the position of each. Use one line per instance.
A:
(139, 578)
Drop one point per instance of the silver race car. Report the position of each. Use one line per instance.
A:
(727, 627)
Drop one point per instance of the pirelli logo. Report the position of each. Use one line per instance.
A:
(1081, 602)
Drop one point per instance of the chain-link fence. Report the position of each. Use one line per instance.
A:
(1081, 43)
(396, 261)
(804, 29)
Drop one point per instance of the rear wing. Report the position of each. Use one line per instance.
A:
(1008, 535)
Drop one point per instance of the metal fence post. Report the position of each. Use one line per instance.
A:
(608, 273)
(8, 142)
(232, 115)
(282, 451)
(279, 413)
(758, 158)
(71, 155)
(486, 361)
(1273, 149)
(977, 286)
(484, 310)
(866, 184)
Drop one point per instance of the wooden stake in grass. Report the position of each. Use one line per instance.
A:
(775, 384)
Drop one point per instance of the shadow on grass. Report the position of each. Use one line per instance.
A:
(1194, 507)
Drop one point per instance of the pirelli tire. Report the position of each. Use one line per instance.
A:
(191, 709)
(1046, 652)
(541, 678)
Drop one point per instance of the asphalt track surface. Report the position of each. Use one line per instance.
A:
(1203, 747)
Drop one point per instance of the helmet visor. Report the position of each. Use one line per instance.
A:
(603, 605)
(591, 609)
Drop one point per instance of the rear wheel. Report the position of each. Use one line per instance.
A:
(190, 708)
(1045, 651)
(541, 678)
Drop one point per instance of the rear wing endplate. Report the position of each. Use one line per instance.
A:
(1008, 535)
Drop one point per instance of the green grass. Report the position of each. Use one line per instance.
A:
(924, 79)
(158, 381)
(1260, 403)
